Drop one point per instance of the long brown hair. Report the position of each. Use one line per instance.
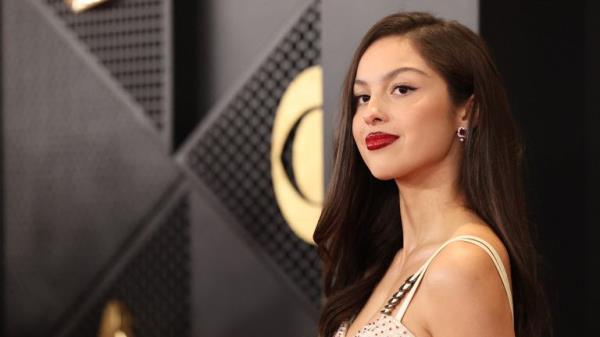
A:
(358, 234)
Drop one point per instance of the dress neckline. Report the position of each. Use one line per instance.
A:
(346, 325)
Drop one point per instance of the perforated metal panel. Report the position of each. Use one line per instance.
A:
(79, 170)
(156, 284)
(233, 157)
(129, 38)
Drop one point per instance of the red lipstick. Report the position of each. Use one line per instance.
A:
(377, 140)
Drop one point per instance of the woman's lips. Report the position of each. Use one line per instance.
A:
(377, 140)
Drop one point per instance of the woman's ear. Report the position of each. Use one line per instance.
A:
(468, 114)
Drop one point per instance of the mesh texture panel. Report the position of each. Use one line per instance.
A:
(238, 170)
(127, 37)
(155, 285)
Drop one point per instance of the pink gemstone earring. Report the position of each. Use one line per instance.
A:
(462, 133)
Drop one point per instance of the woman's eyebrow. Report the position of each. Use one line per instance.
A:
(393, 73)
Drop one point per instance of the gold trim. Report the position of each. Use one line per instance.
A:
(79, 6)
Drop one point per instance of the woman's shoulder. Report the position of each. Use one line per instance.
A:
(484, 232)
(465, 259)
(463, 281)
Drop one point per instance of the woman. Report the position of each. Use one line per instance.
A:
(424, 229)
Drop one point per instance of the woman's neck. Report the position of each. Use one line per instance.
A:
(431, 210)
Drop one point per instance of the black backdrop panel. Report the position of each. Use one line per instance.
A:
(155, 283)
(553, 91)
(238, 170)
(130, 39)
(81, 169)
(234, 292)
(592, 46)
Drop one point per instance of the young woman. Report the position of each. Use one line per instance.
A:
(424, 229)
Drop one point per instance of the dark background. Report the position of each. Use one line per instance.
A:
(548, 52)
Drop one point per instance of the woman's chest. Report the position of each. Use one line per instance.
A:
(383, 326)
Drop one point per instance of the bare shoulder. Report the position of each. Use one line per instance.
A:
(463, 263)
(464, 293)
(485, 233)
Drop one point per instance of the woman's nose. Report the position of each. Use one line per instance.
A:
(374, 114)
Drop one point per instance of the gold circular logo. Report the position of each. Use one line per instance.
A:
(116, 320)
(300, 110)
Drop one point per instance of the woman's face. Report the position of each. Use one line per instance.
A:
(405, 122)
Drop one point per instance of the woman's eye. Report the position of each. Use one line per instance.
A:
(361, 99)
(403, 89)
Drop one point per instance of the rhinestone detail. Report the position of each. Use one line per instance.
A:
(395, 299)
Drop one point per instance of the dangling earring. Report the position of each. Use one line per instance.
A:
(462, 133)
